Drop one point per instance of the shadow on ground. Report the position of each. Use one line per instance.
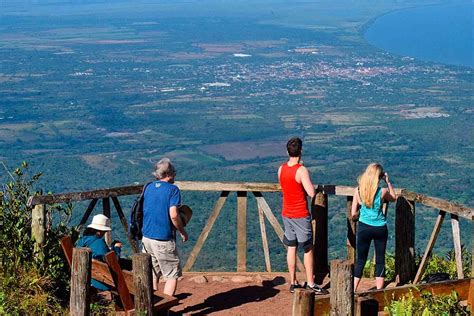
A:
(233, 298)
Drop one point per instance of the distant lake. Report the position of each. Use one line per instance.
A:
(436, 33)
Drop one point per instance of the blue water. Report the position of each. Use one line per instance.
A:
(438, 33)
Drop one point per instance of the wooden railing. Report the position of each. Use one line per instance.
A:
(405, 267)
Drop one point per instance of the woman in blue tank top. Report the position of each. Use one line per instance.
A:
(372, 221)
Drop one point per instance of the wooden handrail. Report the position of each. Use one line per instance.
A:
(338, 190)
(404, 220)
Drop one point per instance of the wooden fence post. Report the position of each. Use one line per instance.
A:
(143, 283)
(342, 288)
(205, 231)
(241, 231)
(38, 227)
(303, 303)
(320, 252)
(457, 245)
(351, 232)
(263, 232)
(405, 240)
(80, 281)
(106, 212)
(429, 247)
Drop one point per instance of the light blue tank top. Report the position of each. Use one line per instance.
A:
(373, 216)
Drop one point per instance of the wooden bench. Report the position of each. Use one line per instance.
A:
(121, 281)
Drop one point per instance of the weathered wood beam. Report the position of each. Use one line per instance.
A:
(205, 232)
(385, 296)
(119, 280)
(184, 186)
(80, 282)
(457, 245)
(106, 212)
(263, 232)
(124, 222)
(38, 228)
(143, 281)
(87, 213)
(429, 247)
(351, 232)
(275, 224)
(342, 288)
(404, 240)
(449, 207)
(303, 303)
(320, 250)
(241, 231)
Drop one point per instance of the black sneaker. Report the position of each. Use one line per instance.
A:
(295, 286)
(316, 289)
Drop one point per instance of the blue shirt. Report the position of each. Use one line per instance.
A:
(373, 216)
(99, 249)
(158, 198)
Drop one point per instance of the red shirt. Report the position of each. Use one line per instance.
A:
(294, 195)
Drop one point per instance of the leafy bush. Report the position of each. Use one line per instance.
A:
(39, 281)
(369, 268)
(447, 264)
(427, 305)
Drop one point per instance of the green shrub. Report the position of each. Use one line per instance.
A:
(447, 264)
(427, 305)
(39, 281)
(369, 268)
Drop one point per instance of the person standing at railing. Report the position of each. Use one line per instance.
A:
(372, 220)
(161, 219)
(296, 185)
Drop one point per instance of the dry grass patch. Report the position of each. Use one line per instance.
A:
(246, 150)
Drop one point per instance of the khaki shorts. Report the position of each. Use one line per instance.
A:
(164, 258)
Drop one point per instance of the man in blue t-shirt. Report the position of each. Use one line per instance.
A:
(161, 220)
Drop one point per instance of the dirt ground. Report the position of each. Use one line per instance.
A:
(230, 294)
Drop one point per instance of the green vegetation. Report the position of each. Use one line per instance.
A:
(427, 305)
(31, 282)
(436, 264)
(447, 264)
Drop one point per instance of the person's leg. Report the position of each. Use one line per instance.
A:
(380, 243)
(304, 234)
(170, 266)
(150, 247)
(308, 265)
(363, 244)
(170, 286)
(289, 239)
(291, 261)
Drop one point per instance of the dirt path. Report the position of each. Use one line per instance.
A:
(227, 294)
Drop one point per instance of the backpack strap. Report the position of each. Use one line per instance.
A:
(144, 188)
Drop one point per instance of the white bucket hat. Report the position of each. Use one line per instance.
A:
(100, 222)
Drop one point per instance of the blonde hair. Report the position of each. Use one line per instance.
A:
(369, 182)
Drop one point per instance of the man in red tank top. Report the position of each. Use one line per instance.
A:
(296, 186)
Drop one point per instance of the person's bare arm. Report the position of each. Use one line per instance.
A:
(306, 181)
(389, 194)
(279, 173)
(176, 220)
(355, 204)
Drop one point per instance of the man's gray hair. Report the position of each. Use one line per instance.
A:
(164, 168)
